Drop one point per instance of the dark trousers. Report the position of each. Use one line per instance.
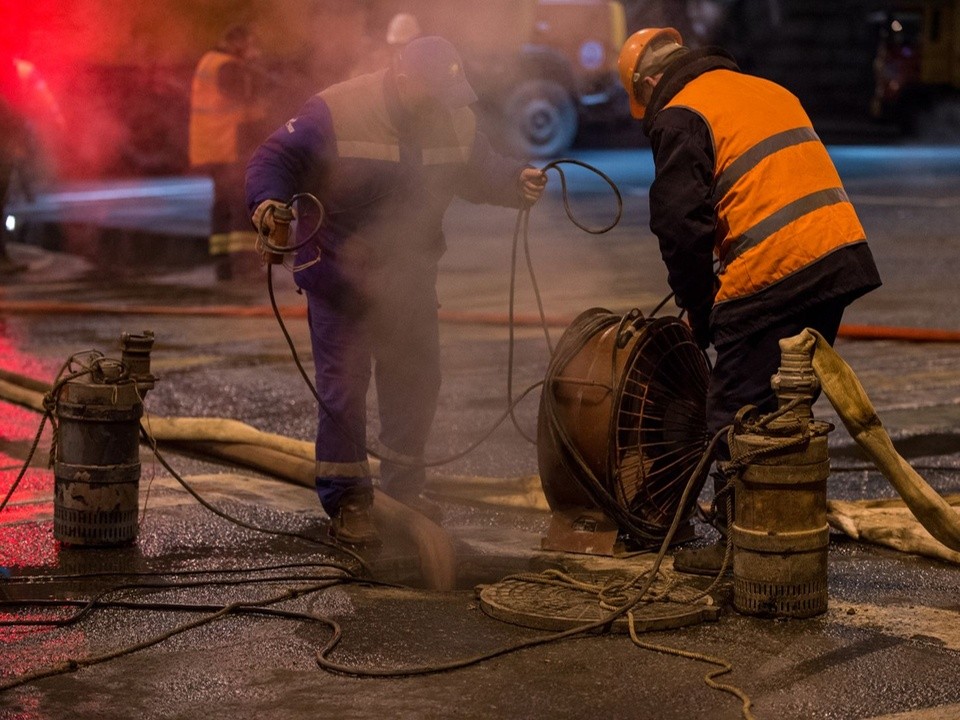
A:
(229, 212)
(399, 336)
(743, 368)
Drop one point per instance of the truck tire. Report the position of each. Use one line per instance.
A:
(540, 119)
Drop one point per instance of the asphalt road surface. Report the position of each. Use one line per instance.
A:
(887, 647)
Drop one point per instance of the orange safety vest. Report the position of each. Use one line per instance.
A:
(214, 117)
(779, 201)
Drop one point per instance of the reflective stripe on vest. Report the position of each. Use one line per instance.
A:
(364, 130)
(780, 219)
(779, 202)
(343, 469)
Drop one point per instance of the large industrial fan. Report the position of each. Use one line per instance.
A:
(621, 428)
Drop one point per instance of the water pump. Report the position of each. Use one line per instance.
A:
(780, 532)
(96, 451)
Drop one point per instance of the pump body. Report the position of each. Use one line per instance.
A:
(97, 448)
(780, 532)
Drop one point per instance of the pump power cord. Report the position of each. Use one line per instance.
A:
(49, 402)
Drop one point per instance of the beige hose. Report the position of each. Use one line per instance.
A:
(277, 456)
(849, 399)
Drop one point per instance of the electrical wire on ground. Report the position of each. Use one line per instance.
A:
(50, 400)
(49, 414)
(644, 581)
(263, 608)
(260, 607)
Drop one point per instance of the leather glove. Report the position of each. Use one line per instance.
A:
(263, 216)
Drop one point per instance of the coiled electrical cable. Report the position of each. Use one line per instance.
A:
(521, 230)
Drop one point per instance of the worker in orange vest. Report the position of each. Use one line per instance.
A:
(224, 111)
(742, 182)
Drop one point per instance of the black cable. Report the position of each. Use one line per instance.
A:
(264, 239)
(49, 401)
(86, 606)
(218, 612)
(602, 624)
(520, 230)
(241, 523)
(373, 453)
(555, 165)
(41, 579)
(660, 305)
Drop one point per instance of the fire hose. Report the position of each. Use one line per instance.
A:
(269, 453)
(842, 387)
(866, 332)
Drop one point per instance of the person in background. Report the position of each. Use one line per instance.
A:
(380, 53)
(385, 153)
(742, 178)
(225, 114)
(26, 103)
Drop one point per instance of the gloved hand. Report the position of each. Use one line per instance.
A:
(265, 224)
(263, 216)
(532, 183)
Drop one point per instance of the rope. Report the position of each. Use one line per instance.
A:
(608, 595)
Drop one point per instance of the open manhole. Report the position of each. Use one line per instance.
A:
(544, 603)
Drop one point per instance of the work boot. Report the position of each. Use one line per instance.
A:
(708, 559)
(705, 560)
(353, 521)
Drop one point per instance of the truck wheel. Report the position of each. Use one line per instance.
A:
(540, 119)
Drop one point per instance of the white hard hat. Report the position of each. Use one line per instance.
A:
(402, 29)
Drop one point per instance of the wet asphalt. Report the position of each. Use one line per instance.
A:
(887, 647)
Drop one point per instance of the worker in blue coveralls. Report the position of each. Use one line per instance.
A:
(385, 153)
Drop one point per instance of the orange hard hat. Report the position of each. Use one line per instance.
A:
(630, 56)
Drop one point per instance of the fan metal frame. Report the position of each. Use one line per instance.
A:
(583, 439)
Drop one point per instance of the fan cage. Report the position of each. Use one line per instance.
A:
(655, 432)
(658, 429)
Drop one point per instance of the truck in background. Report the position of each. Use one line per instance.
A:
(122, 71)
(541, 68)
(917, 67)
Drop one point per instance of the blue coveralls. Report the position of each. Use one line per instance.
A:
(385, 179)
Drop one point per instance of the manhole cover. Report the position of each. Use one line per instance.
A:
(540, 602)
